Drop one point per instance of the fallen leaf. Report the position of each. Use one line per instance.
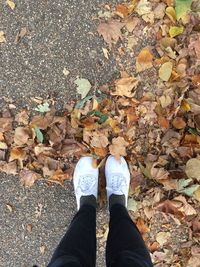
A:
(43, 108)
(118, 147)
(2, 37)
(42, 250)
(182, 8)
(179, 123)
(9, 207)
(165, 71)
(99, 140)
(66, 72)
(131, 23)
(106, 53)
(142, 227)
(171, 13)
(83, 87)
(11, 4)
(181, 204)
(144, 60)
(9, 168)
(175, 31)
(21, 33)
(28, 177)
(22, 117)
(29, 227)
(165, 101)
(193, 169)
(143, 7)
(168, 207)
(122, 10)
(124, 86)
(111, 31)
(21, 136)
(39, 135)
(3, 145)
(163, 237)
(132, 205)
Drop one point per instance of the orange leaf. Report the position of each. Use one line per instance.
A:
(142, 227)
(122, 10)
(163, 122)
(144, 60)
(179, 123)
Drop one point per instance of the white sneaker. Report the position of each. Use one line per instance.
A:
(117, 177)
(85, 179)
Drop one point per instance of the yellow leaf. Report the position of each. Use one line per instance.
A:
(185, 106)
(2, 37)
(165, 71)
(174, 31)
(11, 4)
(197, 194)
(171, 13)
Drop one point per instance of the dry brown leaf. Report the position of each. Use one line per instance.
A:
(22, 117)
(99, 140)
(59, 176)
(124, 86)
(122, 10)
(179, 123)
(118, 147)
(144, 60)
(21, 33)
(193, 169)
(143, 228)
(6, 124)
(159, 173)
(28, 177)
(21, 136)
(181, 204)
(111, 31)
(168, 207)
(131, 23)
(29, 227)
(163, 237)
(9, 168)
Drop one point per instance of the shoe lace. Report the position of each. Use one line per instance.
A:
(118, 181)
(86, 182)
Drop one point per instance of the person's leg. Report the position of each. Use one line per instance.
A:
(125, 246)
(78, 246)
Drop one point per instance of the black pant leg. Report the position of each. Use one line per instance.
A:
(125, 246)
(78, 246)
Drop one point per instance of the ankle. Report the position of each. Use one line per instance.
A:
(88, 200)
(117, 199)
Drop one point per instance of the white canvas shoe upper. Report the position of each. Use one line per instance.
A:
(85, 179)
(117, 177)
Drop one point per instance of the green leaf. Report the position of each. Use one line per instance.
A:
(39, 135)
(102, 117)
(193, 131)
(43, 108)
(174, 31)
(182, 8)
(80, 104)
(182, 183)
(83, 87)
(189, 191)
(132, 205)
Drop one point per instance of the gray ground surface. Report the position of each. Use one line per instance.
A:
(60, 34)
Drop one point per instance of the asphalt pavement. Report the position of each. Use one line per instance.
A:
(59, 34)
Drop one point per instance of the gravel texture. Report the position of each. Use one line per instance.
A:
(60, 34)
